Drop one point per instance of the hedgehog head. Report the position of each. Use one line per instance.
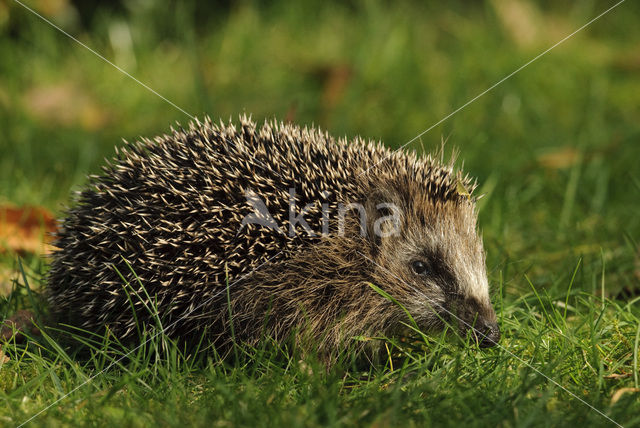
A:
(429, 255)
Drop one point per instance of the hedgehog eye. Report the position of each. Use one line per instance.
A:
(419, 267)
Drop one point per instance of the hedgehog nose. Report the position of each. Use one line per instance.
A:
(487, 335)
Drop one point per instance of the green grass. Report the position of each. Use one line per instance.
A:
(555, 148)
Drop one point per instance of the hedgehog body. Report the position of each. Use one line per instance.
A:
(277, 230)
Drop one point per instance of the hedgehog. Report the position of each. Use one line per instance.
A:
(239, 233)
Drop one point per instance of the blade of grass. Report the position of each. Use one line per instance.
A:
(635, 356)
(32, 298)
(389, 297)
(573, 277)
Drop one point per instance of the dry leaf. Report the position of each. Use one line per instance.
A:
(617, 376)
(563, 157)
(3, 357)
(619, 393)
(64, 104)
(628, 62)
(26, 229)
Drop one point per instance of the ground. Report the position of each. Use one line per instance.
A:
(555, 148)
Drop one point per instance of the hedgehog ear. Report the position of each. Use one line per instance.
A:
(384, 216)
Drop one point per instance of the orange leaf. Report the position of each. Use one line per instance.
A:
(26, 229)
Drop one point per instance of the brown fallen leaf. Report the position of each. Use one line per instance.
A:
(628, 61)
(617, 376)
(560, 158)
(3, 357)
(620, 392)
(26, 229)
(64, 104)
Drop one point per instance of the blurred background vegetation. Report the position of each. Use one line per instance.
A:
(556, 147)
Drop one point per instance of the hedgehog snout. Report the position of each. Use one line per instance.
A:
(480, 320)
(487, 335)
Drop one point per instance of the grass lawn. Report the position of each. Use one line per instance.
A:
(555, 148)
